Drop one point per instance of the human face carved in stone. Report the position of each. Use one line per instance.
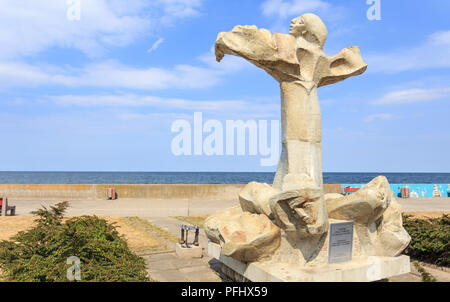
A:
(298, 27)
(311, 28)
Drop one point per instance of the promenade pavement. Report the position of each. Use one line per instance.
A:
(182, 207)
(168, 267)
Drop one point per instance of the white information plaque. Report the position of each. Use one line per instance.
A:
(340, 242)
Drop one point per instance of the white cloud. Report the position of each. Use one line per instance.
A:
(284, 9)
(245, 108)
(30, 27)
(433, 53)
(156, 45)
(378, 116)
(146, 116)
(113, 74)
(110, 74)
(178, 8)
(415, 95)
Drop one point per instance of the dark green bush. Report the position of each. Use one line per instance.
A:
(40, 254)
(429, 239)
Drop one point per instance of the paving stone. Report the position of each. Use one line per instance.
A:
(180, 263)
(160, 257)
(168, 276)
(204, 277)
(406, 278)
(161, 265)
(194, 252)
(200, 274)
(195, 270)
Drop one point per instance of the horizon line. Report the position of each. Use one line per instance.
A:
(68, 171)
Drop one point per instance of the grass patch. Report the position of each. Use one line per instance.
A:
(40, 253)
(148, 227)
(426, 276)
(193, 220)
(429, 239)
(138, 240)
(11, 225)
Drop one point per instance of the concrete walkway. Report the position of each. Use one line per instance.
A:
(441, 274)
(169, 268)
(441, 204)
(130, 207)
(183, 207)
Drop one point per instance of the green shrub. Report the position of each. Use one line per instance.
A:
(40, 254)
(429, 239)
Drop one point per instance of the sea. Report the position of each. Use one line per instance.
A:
(205, 178)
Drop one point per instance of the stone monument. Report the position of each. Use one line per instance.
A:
(280, 232)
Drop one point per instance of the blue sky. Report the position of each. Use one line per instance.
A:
(101, 93)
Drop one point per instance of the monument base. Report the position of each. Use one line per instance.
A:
(362, 270)
(190, 252)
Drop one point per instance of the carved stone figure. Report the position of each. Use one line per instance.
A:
(242, 235)
(295, 203)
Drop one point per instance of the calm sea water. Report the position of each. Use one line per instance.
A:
(204, 178)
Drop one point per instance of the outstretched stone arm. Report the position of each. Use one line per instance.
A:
(347, 63)
(258, 46)
(248, 42)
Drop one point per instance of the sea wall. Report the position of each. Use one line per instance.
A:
(415, 190)
(76, 192)
(48, 191)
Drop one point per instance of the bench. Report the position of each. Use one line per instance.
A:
(5, 208)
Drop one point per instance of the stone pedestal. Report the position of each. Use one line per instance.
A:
(190, 252)
(360, 270)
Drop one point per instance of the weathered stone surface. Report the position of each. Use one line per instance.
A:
(251, 238)
(392, 238)
(300, 207)
(254, 198)
(213, 223)
(331, 196)
(365, 206)
(188, 253)
(377, 216)
(244, 236)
